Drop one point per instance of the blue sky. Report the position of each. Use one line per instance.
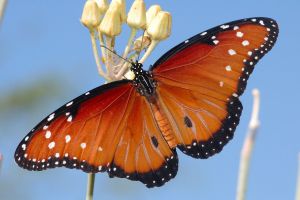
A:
(45, 39)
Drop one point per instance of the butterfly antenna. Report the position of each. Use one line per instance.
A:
(116, 54)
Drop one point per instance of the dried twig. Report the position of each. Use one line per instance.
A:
(298, 181)
(247, 148)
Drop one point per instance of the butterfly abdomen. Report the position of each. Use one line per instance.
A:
(164, 126)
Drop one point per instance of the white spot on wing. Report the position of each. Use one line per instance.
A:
(51, 117)
(228, 68)
(69, 118)
(51, 145)
(83, 145)
(224, 26)
(221, 83)
(68, 138)
(204, 33)
(216, 41)
(245, 43)
(231, 52)
(69, 104)
(48, 134)
(239, 34)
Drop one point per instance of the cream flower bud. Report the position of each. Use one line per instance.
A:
(111, 23)
(103, 5)
(90, 15)
(122, 8)
(160, 26)
(141, 43)
(152, 12)
(137, 15)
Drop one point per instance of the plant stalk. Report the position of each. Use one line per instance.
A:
(131, 37)
(149, 50)
(90, 186)
(96, 56)
(248, 148)
(2, 9)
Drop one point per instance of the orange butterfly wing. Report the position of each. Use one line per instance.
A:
(199, 82)
(110, 128)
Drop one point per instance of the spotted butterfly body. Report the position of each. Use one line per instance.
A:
(131, 128)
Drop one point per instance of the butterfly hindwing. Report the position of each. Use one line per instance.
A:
(199, 82)
(110, 128)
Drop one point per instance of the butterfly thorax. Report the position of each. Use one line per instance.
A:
(143, 80)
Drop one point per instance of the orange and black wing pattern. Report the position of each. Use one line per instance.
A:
(194, 106)
(200, 80)
(110, 128)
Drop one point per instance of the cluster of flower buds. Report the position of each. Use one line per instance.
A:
(105, 21)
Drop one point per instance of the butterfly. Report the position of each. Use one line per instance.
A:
(189, 99)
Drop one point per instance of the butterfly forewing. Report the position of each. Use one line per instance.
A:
(110, 128)
(199, 82)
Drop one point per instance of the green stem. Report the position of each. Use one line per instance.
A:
(90, 186)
